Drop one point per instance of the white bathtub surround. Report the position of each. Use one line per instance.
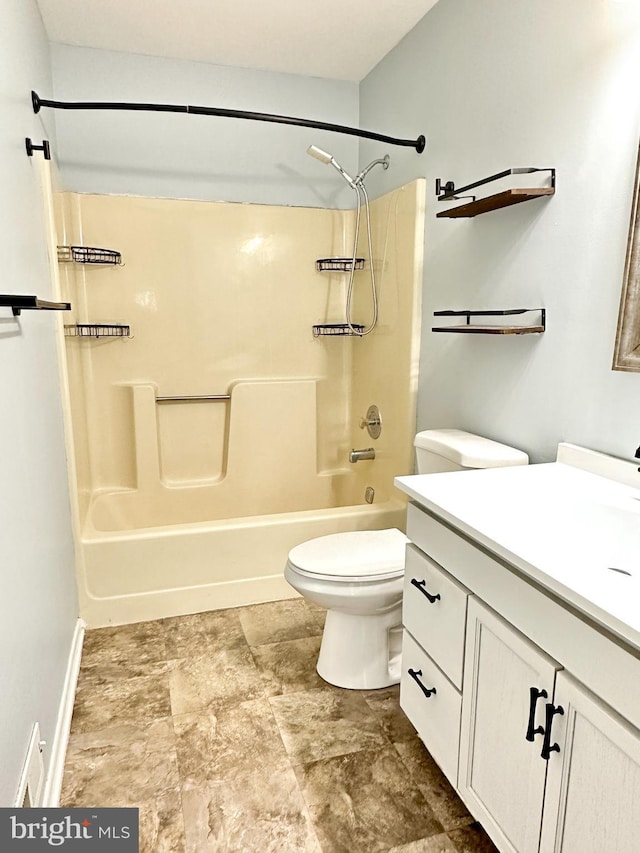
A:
(193, 505)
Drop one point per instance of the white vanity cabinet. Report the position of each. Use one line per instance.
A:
(519, 672)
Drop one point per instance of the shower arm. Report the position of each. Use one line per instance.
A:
(38, 103)
(383, 161)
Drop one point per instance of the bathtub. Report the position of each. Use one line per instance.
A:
(142, 573)
(168, 548)
(209, 443)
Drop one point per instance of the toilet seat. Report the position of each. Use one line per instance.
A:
(360, 556)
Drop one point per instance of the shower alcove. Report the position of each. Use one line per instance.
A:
(189, 504)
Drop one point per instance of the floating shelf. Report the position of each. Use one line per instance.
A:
(338, 264)
(484, 329)
(495, 202)
(337, 329)
(20, 303)
(88, 255)
(447, 192)
(97, 330)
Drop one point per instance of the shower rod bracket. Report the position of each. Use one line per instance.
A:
(38, 102)
(45, 148)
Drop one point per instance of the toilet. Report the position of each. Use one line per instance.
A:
(358, 576)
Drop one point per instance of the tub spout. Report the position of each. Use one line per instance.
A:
(358, 455)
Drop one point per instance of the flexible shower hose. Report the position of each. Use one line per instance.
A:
(358, 186)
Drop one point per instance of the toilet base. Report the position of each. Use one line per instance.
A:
(361, 652)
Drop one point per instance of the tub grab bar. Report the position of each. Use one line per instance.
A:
(193, 399)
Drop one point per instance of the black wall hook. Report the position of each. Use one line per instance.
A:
(46, 150)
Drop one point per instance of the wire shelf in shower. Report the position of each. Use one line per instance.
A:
(338, 329)
(97, 330)
(88, 255)
(338, 264)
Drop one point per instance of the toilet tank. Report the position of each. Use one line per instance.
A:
(439, 450)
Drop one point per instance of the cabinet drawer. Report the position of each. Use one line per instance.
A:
(436, 717)
(434, 610)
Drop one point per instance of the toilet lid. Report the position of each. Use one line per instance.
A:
(375, 554)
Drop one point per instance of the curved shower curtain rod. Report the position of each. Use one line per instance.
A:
(38, 103)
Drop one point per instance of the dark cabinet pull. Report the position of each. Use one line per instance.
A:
(547, 749)
(421, 585)
(534, 695)
(414, 673)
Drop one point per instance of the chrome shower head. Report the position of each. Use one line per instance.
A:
(321, 155)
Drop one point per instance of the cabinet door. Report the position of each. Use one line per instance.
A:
(502, 776)
(592, 802)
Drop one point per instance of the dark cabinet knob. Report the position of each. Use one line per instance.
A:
(415, 673)
(421, 585)
(534, 695)
(547, 747)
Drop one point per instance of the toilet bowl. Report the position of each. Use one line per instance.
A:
(358, 577)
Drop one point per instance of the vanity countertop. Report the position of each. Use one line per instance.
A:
(563, 527)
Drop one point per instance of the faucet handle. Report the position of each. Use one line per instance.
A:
(373, 422)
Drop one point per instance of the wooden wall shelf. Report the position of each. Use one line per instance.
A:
(495, 202)
(470, 328)
(447, 191)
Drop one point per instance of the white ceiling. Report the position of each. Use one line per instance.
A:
(339, 39)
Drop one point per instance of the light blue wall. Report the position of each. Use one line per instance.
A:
(185, 156)
(501, 84)
(38, 602)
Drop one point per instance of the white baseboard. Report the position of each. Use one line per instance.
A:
(53, 782)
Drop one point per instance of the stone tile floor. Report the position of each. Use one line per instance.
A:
(219, 729)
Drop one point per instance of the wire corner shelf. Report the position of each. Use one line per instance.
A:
(97, 330)
(88, 255)
(339, 264)
(338, 330)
